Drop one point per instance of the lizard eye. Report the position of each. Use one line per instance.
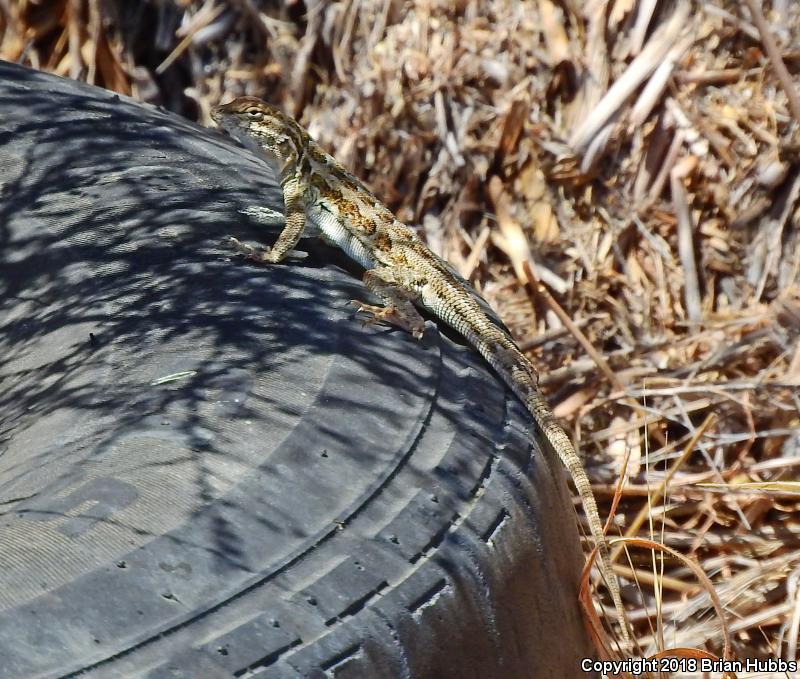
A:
(254, 114)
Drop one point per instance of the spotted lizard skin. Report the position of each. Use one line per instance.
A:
(321, 197)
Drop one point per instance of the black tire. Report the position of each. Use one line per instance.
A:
(210, 469)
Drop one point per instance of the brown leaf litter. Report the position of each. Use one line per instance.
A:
(640, 159)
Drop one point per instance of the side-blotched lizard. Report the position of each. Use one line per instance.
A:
(319, 194)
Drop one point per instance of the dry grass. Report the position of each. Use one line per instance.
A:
(641, 158)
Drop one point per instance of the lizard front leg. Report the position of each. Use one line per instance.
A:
(293, 190)
(390, 285)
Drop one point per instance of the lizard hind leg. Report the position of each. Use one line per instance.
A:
(398, 300)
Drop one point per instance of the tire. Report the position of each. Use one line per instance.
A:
(210, 469)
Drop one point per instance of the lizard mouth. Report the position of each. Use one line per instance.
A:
(223, 117)
(227, 122)
(236, 129)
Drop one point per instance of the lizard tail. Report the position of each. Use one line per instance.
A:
(495, 344)
(569, 458)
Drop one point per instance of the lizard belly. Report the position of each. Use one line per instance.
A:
(335, 233)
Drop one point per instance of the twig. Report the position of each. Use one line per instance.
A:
(686, 237)
(775, 58)
(636, 524)
(202, 19)
(640, 68)
(539, 290)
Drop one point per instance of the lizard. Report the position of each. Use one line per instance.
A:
(322, 198)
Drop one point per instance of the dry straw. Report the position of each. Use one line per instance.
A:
(641, 158)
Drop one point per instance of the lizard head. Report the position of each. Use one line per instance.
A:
(263, 129)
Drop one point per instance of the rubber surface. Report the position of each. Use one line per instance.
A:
(210, 469)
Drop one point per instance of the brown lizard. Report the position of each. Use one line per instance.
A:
(323, 198)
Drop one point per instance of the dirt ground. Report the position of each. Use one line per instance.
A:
(642, 157)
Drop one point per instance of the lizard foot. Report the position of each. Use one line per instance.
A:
(260, 255)
(391, 315)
